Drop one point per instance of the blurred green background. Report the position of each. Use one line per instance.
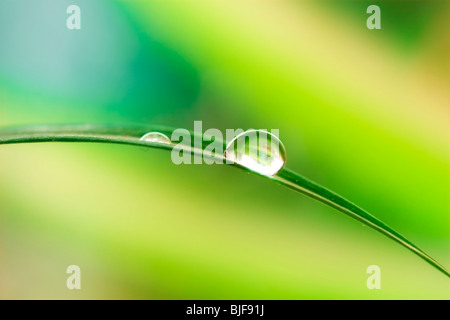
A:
(363, 112)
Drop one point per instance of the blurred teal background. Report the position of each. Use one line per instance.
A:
(363, 112)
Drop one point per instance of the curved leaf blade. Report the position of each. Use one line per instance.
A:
(131, 134)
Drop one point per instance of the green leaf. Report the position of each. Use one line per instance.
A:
(131, 134)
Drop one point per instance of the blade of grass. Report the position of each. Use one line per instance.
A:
(131, 134)
(301, 184)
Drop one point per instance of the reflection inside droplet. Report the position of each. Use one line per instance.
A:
(257, 150)
(156, 137)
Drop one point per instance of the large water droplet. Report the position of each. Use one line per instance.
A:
(156, 137)
(257, 150)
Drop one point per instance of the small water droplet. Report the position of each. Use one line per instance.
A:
(156, 137)
(257, 150)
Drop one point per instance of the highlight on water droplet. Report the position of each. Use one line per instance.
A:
(156, 137)
(257, 150)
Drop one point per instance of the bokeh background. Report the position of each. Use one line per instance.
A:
(363, 112)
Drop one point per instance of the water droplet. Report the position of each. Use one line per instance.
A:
(156, 137)
(257, 150)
